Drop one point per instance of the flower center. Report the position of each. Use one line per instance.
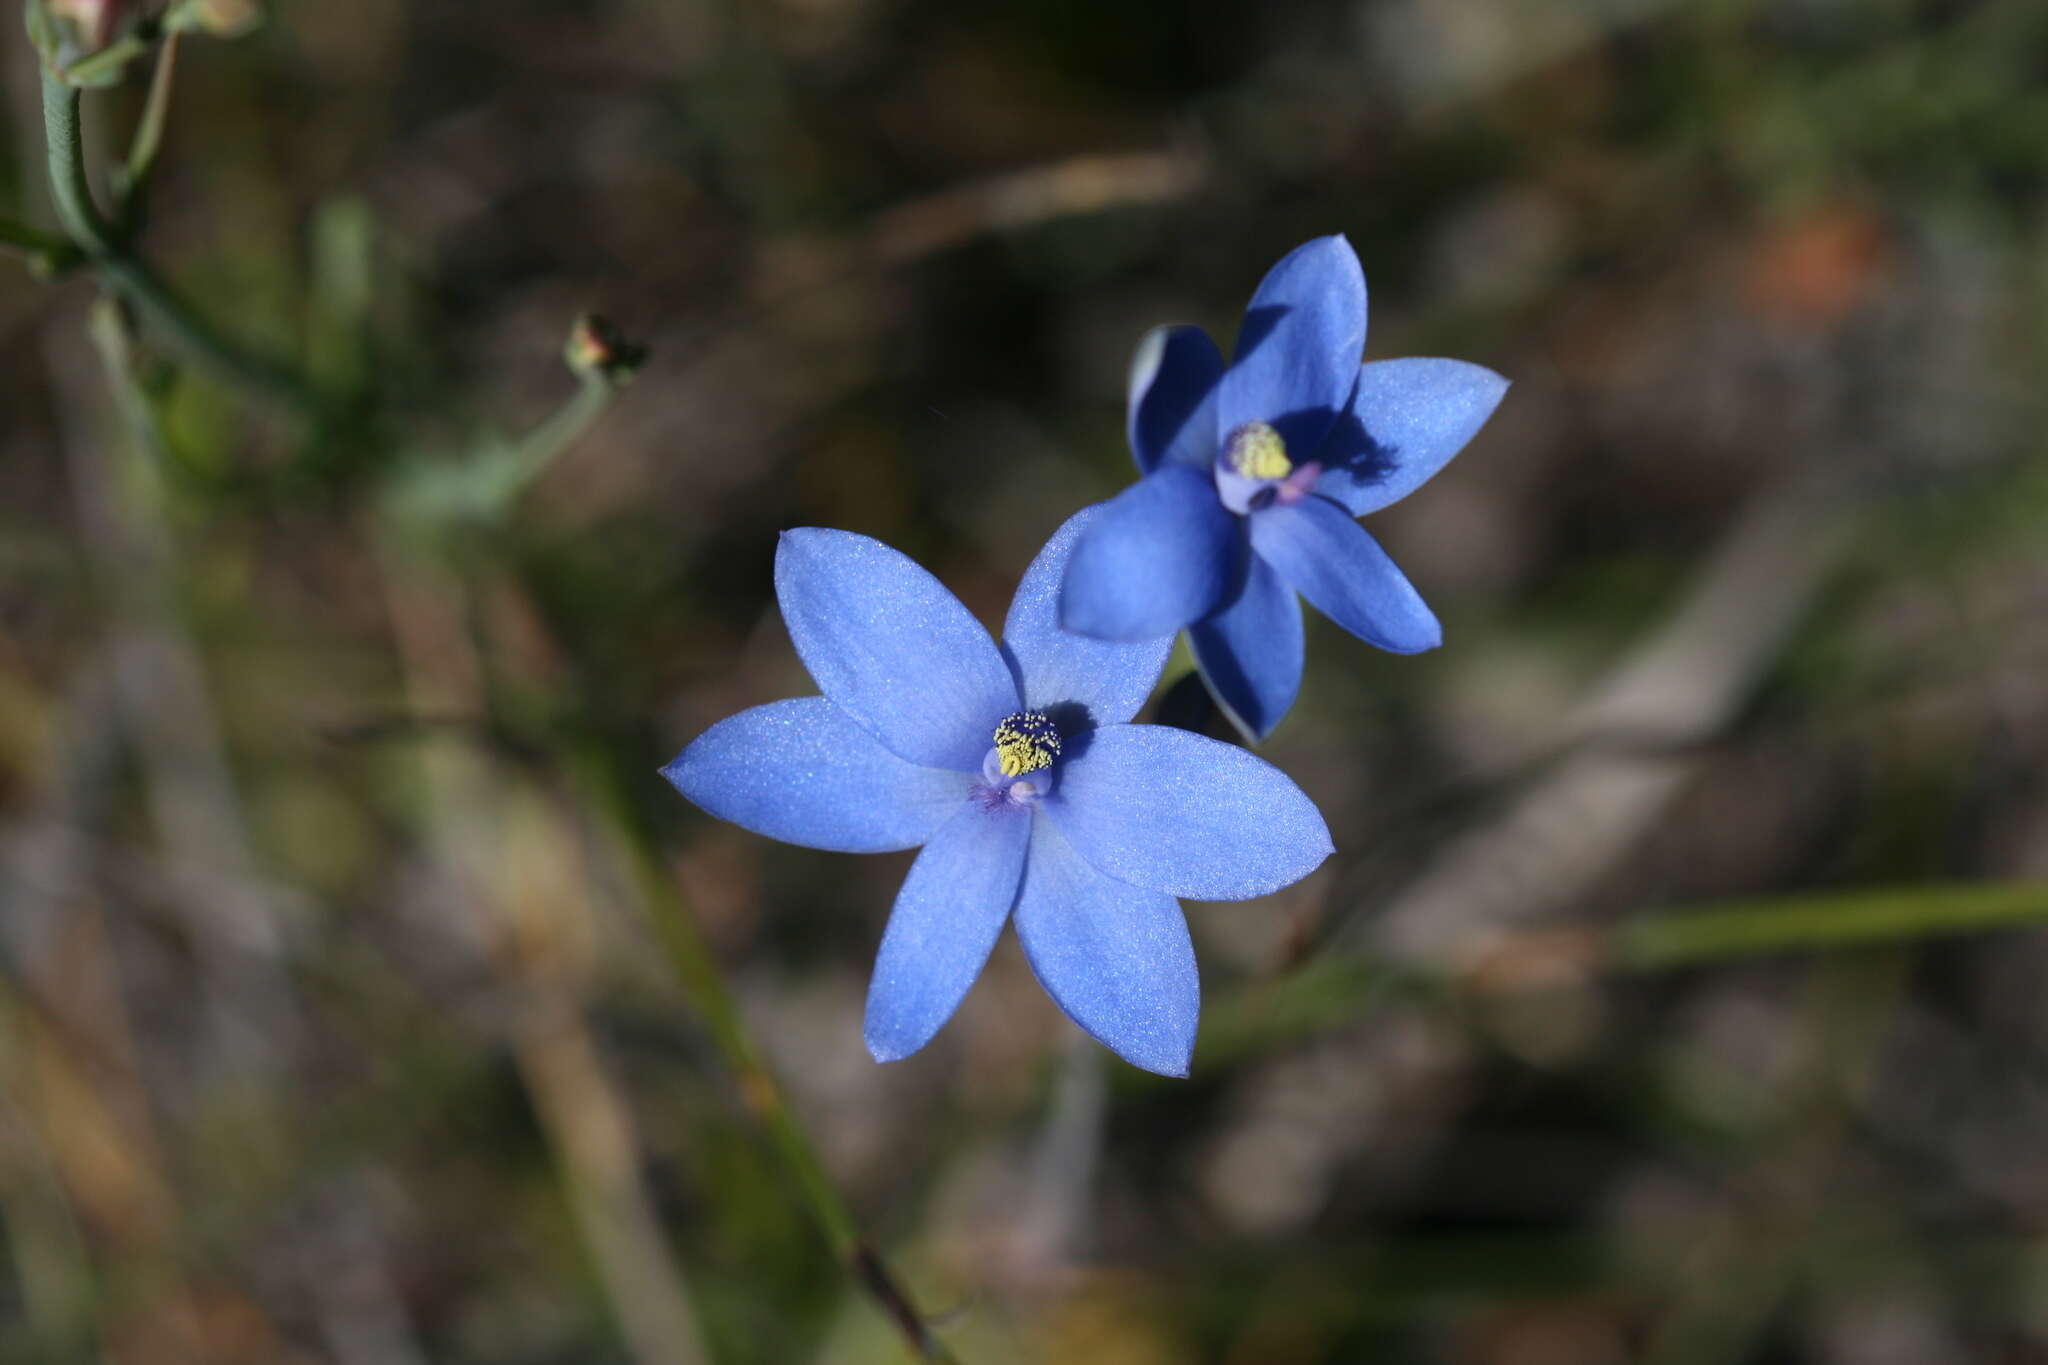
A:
(1025, 743)
(1256, 451)
(1254, 471)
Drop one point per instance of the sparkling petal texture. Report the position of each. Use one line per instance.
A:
(894, 649)
(1297, 353)
(1170, 811)
(1250, 653)
(946, 919)
(1158, 555)
(1406, 420)
(801, 771)
(1173, 384)
(1110, 679)
(1117, 959)
(1337, 566)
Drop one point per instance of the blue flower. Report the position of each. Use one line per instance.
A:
(1014, 766)
(1253, 477)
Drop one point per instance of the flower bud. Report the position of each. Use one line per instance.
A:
(93, 21)
(597, 350)
(219, 18)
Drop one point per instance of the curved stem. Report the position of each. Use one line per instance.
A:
(129, 277)
(149, 132)
(68, 185)
(562, 429)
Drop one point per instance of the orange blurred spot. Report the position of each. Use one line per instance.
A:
(1809, 273)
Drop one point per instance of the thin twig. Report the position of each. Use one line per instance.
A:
(1069, 188)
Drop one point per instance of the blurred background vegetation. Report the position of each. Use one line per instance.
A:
(1673, 997)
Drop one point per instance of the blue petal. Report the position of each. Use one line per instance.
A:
(1171, 811)
(1407, 419)
(1331, 561)
(946, 919)
(1115, 958)
(1250, 652)
(1172, 390)
(1110, 679)
(801, 771)
(896, 651)
(1297, 354)
(1158, 555)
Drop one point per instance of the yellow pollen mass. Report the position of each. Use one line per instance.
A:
(1025, 743)
(1256, 451)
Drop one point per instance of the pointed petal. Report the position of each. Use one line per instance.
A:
(1250, 652)
(1297, 353)
(801, 771)
(1406, 420)
(1117, 959)
(945, 921)
(1108, 679)
(1159, 555)
(894, 649)
(1337, 566)
(1175, 812)
(1172, 387)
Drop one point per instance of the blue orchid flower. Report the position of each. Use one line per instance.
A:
(1015, 769)
(1253, 475)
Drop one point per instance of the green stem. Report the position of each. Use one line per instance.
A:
(698, 969)
(132, 280)
(540, 447)
(1337, 988)
(1807, 924)
(68, 186)
(105, 66)
(24, 238)
(149, 134)
(47, 252)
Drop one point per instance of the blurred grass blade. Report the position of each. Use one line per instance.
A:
(1820, 923)
(338, 342)
(695, 965)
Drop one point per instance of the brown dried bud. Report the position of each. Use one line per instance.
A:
(596, 350)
